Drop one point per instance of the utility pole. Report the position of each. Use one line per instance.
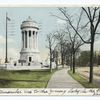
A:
(6, 55)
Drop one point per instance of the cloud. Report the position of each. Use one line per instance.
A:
(13, 53)
(2, 40)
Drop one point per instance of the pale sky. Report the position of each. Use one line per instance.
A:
(47, 24)
(42, 16)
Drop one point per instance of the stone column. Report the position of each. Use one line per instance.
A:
(34, 39)
(31, 39)
(27, 39)
(37, 40)
(24, 39)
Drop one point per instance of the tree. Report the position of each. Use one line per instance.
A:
(98, 59)
(83, 59)
(56, 55)
(75, 42)
(93, 15)
(69, 55)
(51, 40)
(60, 37)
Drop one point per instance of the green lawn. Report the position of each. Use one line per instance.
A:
(24, 79)
(82, 80)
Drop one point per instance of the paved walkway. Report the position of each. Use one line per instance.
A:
(61, 79)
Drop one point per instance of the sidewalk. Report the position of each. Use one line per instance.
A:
(61, 79)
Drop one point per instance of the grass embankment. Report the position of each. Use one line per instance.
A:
(82, 80)
(24, 79)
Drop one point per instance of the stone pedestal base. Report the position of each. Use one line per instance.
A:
(29, 58)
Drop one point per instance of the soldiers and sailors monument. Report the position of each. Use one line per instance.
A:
(29, 54)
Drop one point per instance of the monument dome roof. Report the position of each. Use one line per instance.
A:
(29, 23)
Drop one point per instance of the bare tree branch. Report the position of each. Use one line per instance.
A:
(78, 23)
(86, 13)
(98, 21)
(62, 11)
(89, 14)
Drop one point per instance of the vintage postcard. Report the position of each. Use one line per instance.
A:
(49, 50)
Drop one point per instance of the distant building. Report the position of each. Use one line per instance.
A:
(29, 53)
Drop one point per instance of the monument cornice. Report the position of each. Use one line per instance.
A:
(29, 27)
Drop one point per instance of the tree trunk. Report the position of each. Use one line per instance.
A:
(62, 60)
(50, 65)
(91, 61)
(57, 62)
(73, 63)
(50, 60)
(57, 66)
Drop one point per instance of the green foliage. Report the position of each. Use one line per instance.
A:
(83, 59)
(98, 59)
(24, 79)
